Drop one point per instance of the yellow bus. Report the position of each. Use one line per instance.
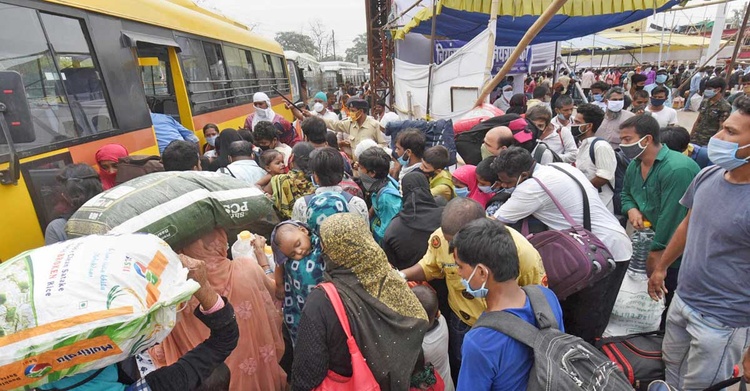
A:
(89, 67)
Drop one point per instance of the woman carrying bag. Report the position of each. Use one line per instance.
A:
(386, 319)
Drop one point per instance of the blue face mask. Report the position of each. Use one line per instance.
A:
(724, 154)
(211, 140)
(402, 160)
(708, 94)
(661, 79)
(462, 192)
(561, 117)
(598, 97)
(478, 293)
(486, 189)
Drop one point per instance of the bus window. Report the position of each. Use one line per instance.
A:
(263, 70)
(220, 83)
(62, 83)
(80, 77)
(294, 75)
(157, 80)
(279, 72)
(196, 71)
(240, 72)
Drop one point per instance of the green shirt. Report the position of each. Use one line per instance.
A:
(658, 196)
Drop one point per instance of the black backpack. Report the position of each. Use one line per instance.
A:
(469, 143)
(561, 361)
(539, 151)
(622, 166)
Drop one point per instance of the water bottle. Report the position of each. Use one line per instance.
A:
(641, 239)
(243, 247)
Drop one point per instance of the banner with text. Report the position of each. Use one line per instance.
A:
(445, 48)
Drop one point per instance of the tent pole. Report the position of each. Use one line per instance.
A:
(554, 64)
(491, 41)
(740, 40)
(541, 21)
(661, 41)
(432, 57)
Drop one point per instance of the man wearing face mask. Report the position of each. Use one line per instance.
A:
(695, 85)
(264, 112)
(495, 140)
(656, 198)
(614, 115)
(708, 323)
(383, 190)
(438, 263)
(503, 101)
(601, 170)
(597, 94)
(713, 111)
(637, 83)
(359, 126)
(563, 111)
(586, 312)
(320, 100)
(665, 116)
(410, 145)
(659, 81)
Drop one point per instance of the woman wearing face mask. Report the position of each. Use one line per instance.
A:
(107, 158)
(503, 101)
(465, 180)
(210, 133)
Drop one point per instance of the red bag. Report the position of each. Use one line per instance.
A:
(362, 378)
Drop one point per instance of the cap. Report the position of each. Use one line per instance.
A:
(357, 103)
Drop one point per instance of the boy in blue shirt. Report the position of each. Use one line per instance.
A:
(383, 190)
(487, 261)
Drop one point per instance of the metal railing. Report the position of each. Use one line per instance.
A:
(236, 89)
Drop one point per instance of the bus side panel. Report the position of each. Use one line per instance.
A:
(120, 72)
(140, 142)
(234, 117)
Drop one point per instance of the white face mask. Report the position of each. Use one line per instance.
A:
(615, 105)
(318, 107)
(508, 94)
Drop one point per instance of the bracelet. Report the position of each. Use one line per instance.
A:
(269, 271)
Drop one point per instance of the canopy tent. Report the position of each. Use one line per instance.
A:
(464, 20)
(595, 42)
(650, 40)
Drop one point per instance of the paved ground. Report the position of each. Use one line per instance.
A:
(686, 119)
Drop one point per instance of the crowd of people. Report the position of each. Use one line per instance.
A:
(367, 218)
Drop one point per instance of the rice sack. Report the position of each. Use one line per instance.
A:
(84, 304)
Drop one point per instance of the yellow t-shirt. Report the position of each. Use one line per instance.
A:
(438, 263)
(442, 185)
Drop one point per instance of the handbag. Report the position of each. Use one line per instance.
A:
(638, 355)
(362, 378)
(573, 258)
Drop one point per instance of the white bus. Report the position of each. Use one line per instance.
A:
(336, 73)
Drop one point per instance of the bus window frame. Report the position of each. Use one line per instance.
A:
(36, 197)
(83, 19)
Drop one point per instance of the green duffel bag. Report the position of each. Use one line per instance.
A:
(178, 207)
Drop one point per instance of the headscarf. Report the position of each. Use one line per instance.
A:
(517, 104)
(419, 212)
(262, 114)
(254, 362)
(387, 320)
(468, 175)
(226, 138)
(111, 152)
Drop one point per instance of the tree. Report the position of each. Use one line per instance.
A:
(359, 48)
(737, 14)
(321, 39)
(291, 40)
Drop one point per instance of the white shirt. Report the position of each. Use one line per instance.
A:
(247, 170)
(587, 79)
(666, 116)
(356, 204)
(530, 199)
(501, 103)
(606, 164)
(435, 347)
(561, 142)
(285, 150)
(407, 169)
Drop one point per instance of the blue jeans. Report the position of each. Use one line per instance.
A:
(687, 101)
(457, 329)
(698, 350)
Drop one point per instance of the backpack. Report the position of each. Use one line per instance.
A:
(561, 361)
(438, 132)
(539, 151)
(622, 167)
(131, 167)
(574, 258)
(469, 143)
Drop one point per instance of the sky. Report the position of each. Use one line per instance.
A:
(347, 17)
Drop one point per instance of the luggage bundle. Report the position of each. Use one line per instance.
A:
(178, 207)
(438, 132)
(83, 304)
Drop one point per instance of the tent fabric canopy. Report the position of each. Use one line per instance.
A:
(593, 41)
(465, 19)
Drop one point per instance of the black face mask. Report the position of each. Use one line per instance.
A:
(576, 130)
(264, 147)
(638, 88)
